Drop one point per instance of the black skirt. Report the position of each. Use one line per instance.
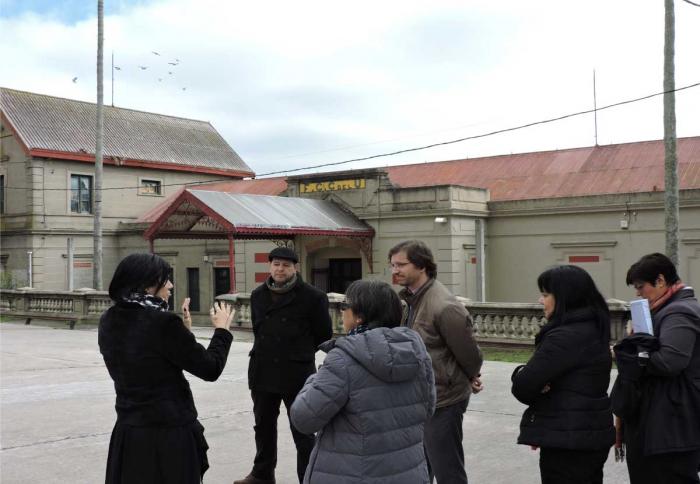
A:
(157, 455)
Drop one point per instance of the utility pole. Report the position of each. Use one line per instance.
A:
(671, 211)
(97, 235)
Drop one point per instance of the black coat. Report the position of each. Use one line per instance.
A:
(157, 437)
(575, 413)
(668, 418)
(288, 329)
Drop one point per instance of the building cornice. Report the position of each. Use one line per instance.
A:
(588, 204)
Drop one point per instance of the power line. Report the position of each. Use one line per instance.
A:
(484, 135)
(407, 150)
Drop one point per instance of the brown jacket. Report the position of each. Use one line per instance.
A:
(446, 329)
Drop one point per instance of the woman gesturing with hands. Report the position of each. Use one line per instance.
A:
(157, 438)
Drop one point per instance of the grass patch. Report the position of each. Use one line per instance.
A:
(509, 355)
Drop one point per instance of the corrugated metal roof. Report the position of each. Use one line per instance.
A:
(265, 186)
(207, 212)
(622, 168)
(66, 126)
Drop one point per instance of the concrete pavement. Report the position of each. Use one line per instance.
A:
(57, 413)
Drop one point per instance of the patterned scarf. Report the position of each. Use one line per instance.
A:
(657, 304)
(360, 328)
(147, 301)
(284, 288)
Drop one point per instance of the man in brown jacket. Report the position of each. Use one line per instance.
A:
(446, 329)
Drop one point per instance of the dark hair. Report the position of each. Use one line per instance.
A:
(648, 268)
(375, 302)
(136, 273)
(573, 288)
(419, 254)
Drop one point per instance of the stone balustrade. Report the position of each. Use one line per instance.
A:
(494, 323)
(81, 306)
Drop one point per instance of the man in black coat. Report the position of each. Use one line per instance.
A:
(290, 319)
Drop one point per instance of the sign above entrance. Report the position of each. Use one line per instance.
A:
(332, 186)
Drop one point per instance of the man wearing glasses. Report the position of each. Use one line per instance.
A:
(290, 319)
(446, 329)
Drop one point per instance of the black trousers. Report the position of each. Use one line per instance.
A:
(559, 466)
(443, 444)
(673, 468)
(266, 409)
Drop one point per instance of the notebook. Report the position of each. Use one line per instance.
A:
(641, 316)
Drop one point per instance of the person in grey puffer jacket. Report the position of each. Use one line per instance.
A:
(371, 397)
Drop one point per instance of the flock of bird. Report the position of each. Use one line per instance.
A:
(171, 70)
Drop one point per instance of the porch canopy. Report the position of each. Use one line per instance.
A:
(204, 214)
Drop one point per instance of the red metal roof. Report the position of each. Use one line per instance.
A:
(622, 168)
(265, 186)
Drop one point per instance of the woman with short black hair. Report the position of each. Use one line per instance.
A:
(157, 438)
(371, 397)
(650, 267)
(662, 423)
(375, 302)
(569, 416)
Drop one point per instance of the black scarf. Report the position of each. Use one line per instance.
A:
(147, 301)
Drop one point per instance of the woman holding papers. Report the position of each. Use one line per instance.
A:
(662, 432)
(565, 383)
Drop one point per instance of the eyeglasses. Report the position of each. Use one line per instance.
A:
(344, 305)
(398, 265)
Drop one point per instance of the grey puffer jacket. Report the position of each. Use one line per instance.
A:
(368, 402)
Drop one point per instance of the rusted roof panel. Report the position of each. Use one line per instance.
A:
(65, 126)
(622, 168)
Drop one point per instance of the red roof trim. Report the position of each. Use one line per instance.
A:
(304, 231)
(156, 165)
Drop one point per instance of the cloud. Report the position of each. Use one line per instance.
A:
(295, 84)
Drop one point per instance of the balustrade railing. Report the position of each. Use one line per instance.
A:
(495, 323)
(71, 306)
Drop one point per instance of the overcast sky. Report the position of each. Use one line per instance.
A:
(293, 84)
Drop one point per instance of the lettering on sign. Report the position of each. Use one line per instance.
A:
(332, 186)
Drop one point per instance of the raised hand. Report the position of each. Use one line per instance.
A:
(221, 315)
(186, 316)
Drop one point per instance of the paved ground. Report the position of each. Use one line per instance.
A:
(57, 414)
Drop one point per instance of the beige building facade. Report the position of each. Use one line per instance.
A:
(493, 223)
